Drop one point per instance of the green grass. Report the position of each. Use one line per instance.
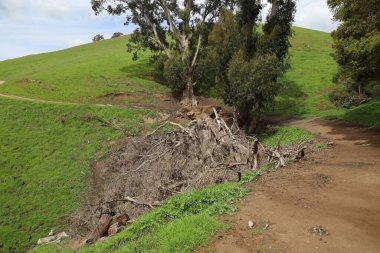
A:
(310, 78)
(183, 223)
(45, 163)
(285, 136)
(80, 74)
(367, 114)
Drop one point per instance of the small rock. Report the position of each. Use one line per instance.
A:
(62, 235)
(320, 231)
(265, 224)
(251, 224)
(53, 238)
(46, 240)
(51, 232)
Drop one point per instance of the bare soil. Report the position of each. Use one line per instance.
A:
(327, 203)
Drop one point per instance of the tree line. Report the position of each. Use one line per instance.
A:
(357, 50)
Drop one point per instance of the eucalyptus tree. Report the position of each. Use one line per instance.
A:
(249, 61)
(173, 26)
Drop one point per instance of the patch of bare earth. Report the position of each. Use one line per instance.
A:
(330, 202)
(2, 82)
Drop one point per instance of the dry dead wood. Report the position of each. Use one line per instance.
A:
(101, 228)
(154, 167)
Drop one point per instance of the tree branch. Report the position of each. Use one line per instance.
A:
(173, 29)
(156, 37)
(197, 51)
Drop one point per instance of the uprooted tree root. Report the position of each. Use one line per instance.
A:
(146, 171)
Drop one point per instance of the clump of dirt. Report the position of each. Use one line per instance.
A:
(322, 180)
(144, 172)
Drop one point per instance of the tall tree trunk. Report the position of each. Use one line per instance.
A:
(188, 97)
(248, 121)
(274, 8)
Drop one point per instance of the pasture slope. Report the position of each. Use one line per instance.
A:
(46, 148)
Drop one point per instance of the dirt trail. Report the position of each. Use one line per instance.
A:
(43, 100)
(137, 106)
(338, 189)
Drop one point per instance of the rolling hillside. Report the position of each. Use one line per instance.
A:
(80, 74)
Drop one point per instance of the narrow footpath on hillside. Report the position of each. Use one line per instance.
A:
(328, 203)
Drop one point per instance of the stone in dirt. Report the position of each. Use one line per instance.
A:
(53, 238)
(251, 224)
(320, 231)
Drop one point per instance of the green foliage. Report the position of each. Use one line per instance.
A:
(341, 97)
(357, 43)
(250, 176)
(258, 231)
(117, 35)
(251, 84)
(98, 37)
(367, 114)
(174, 74)
(285, 136)
(320, 145)
(248, 62)
(45, 153)
(278, 29)
(250, 80)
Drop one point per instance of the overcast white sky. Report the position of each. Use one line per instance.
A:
(36, 26)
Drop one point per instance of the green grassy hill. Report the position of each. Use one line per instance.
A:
(81, 74)
(45, 149)
(309, 79)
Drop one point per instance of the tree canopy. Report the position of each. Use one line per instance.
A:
(357, 44)
(249, 61)
(182, 20)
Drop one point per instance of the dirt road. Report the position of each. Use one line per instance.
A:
(336, 189)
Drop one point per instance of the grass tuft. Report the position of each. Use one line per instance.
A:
(285, 136)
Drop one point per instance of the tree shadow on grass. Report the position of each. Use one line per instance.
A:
(291, 99)
(139, 69)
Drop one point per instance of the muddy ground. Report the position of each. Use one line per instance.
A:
(328, 203)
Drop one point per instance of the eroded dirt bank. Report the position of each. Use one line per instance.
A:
(337, 189)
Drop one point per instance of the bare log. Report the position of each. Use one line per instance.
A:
(101, 229)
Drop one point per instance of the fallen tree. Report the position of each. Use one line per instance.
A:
(144, 173)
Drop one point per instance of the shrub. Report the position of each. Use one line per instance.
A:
(341, 97)
(174, 74)
(98, 37)
(117, 35)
